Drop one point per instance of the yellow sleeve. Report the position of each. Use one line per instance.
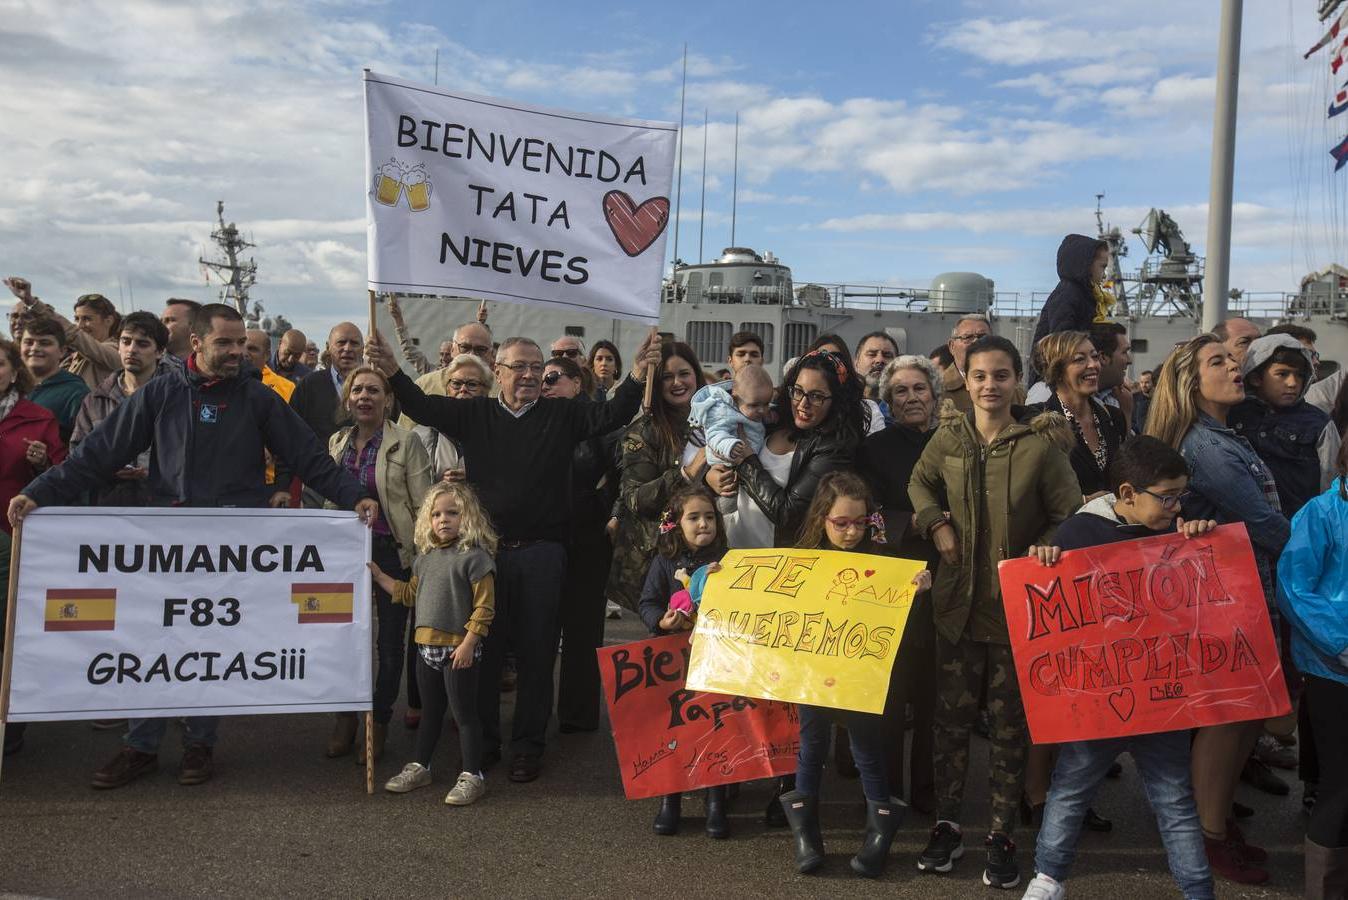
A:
(405, 592)
(484, 605)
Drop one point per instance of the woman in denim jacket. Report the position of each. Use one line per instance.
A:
(1198, 387)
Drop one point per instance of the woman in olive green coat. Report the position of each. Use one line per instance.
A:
(1006, 485)
(656, 461)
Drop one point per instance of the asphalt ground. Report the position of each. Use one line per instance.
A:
(279, 820)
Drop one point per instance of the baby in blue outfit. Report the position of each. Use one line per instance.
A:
(730, 422)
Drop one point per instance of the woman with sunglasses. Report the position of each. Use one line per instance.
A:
(1198, 387)
(589, 554)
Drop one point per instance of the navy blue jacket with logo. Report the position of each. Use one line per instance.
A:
(206, 439)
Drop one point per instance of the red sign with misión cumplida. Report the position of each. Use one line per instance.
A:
(1137, 637)
(670, 739)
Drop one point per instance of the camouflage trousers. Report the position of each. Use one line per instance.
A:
(966, 668)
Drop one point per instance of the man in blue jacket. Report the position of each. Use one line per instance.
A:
(206, 427)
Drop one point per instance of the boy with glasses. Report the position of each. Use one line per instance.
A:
(1149, 479)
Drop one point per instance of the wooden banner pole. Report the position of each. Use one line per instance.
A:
(369, 752)
(650, 382)
(11, 606)
(372, 330)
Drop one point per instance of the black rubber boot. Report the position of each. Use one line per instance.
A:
(667, 819)
(772, 815)
(882, 821)
(718, 825)
(802, 814)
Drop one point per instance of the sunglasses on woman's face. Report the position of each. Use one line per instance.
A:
(552, 378)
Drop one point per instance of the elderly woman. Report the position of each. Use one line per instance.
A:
(910, 387)
(1071, 368)
(589, 555)
(466, 376)
(394, 467)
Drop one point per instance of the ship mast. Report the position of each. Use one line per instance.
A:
(238, 276)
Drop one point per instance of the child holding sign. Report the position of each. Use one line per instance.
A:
(1149, 481)
(1313, 595)
(453, 590)
(1008, 485)
(843, 516)
(691, 535)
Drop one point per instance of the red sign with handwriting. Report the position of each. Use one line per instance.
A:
(670, 739)
(1156, 634)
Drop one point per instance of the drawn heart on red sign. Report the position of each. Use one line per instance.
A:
(1123, 703)
(635, 227)
(870, 572)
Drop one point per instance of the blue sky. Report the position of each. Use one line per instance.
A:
(880, 142)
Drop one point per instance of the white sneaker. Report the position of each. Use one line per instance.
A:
(1044, 888)
(467, 789)
(413, 776)
(612, 610)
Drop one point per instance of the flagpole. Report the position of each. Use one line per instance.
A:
(678, 189)
(1217, 274)
(735, 181)
(702, 224)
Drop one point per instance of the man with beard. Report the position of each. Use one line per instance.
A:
(874, 351)
(206, 427)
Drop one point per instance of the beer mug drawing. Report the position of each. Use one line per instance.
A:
(418, 188)
(388, 183)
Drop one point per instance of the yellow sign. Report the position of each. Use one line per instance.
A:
(804, 626)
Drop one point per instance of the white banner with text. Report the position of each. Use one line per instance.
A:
(489, 198)
(141, 613)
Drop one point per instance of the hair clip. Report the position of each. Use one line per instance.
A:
(667, 523)
(877, 522)
(832, 357)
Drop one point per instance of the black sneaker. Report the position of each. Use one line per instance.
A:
(946, 846)
(1002, 871)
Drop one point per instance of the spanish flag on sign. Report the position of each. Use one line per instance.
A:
(81, 609)
(323, 602)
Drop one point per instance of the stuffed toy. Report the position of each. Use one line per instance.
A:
(689, 598)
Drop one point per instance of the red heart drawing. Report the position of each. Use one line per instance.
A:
(635, 227)
(870, 572)
(1123, 703)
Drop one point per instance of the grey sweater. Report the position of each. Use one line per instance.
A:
(445, 577)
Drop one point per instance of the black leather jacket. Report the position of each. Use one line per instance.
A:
(816, 455)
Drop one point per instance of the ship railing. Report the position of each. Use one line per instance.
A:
(901, 298)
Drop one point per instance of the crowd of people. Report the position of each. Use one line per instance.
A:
(518, 496)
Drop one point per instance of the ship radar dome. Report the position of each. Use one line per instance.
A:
(960, 292)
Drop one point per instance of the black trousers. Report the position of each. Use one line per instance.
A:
(588, 558)
(1329, 718)
(913, 683)
(528, 600)
(455, 689)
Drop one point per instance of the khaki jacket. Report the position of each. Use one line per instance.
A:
(1030, 488)
(402, 473)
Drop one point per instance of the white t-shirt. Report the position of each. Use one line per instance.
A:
(749, 527)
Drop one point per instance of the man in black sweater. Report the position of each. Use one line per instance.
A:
(517, 452)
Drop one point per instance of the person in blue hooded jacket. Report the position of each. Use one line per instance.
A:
(1313, 595)
(1078, 299)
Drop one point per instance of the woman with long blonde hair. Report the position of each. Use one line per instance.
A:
(1197, 388)
(453, 590)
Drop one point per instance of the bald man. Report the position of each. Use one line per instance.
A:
(288, 361)
(315, 397)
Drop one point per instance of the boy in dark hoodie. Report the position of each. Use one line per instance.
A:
(1149, 480)
(1075, 302)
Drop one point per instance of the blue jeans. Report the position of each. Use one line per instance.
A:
(1163, 761)
(867, 736)
(146, 735)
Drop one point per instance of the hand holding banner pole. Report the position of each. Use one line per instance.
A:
(650, 376)
(11, 605)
